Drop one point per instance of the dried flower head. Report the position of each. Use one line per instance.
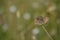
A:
(41, 20)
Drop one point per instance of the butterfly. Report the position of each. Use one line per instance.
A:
(41, 20)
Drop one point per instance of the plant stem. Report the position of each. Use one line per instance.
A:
(47, 33)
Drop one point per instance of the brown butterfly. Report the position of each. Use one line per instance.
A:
(41, 20)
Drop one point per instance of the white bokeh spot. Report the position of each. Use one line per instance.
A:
(12, 8)
(26, 16)
(35, 31)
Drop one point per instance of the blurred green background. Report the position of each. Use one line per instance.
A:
(17, 19)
